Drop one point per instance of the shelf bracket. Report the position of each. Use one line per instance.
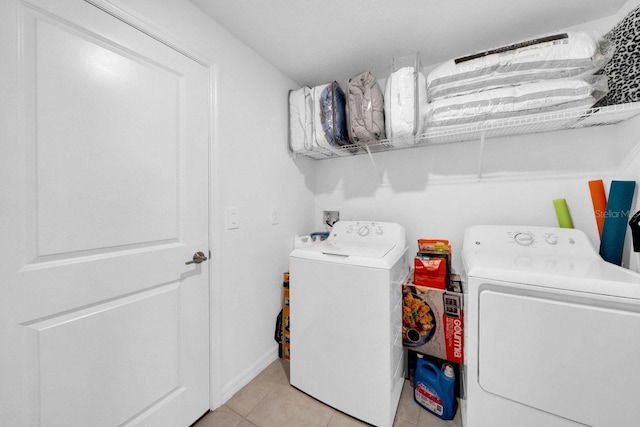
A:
(375, 168)
(481, 157)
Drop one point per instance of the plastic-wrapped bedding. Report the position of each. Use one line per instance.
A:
(403, 93)
(513, 101)
(304, 112)
(563, 55)
(329, 119)
(302, 139)
(318, 140)
(334, 115)
(365, 110)
(300, 120)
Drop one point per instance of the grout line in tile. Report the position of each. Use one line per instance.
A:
(230, 409)
(274, 389)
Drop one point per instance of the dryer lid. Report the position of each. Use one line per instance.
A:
(562, 259)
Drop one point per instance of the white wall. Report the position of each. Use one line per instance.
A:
(253, 172)
(438, 191)
(434, 191)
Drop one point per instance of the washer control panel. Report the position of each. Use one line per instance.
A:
(369, 232)
(365, 229)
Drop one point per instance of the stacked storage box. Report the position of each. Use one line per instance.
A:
(432, 320)
(286, 334)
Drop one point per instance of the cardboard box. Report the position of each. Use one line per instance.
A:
(433, 320)
(431, 271)
(286, 335)
(432, 264)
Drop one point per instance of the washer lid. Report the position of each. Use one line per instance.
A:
(367, 250)
(362, 243)
(350, 253)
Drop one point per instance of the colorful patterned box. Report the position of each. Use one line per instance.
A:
(433, 320)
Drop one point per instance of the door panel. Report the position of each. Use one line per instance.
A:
(100, 193)
(91, 214)
(91, 343)
(102, 322)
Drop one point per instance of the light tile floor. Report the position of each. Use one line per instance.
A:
(269, 401)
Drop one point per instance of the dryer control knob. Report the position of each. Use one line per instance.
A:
(363, 231)
(524, 239)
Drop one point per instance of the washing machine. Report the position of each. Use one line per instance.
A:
(552, 331)
(345, 297)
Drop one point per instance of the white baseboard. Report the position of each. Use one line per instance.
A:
(249, 374)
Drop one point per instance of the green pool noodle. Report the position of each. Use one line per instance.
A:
(562, 212)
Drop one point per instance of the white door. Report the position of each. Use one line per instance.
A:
(104, 163)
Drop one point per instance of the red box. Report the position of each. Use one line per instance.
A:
(430, 271)
(433, 321)
(432, 264)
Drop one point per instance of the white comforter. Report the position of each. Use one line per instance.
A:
(300, 120)
(564, 55)
(514, 100)
(400, 101)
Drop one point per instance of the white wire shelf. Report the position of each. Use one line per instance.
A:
(536, 123)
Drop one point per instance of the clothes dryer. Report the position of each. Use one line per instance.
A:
(552, 331)
(345, 298)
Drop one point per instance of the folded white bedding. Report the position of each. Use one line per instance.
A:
(490, 119)
(514, 100)
(569, 54)
(401, 90)
(300, 120)
(301, 131)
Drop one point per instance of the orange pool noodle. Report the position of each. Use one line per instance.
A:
(599, 200)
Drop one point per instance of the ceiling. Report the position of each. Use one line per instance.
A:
(315, 42)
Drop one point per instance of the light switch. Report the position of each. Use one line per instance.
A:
(233, 218)
(275, 220)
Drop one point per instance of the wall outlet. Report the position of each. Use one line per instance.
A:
(330, 217)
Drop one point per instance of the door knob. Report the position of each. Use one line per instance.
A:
(198, 257)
